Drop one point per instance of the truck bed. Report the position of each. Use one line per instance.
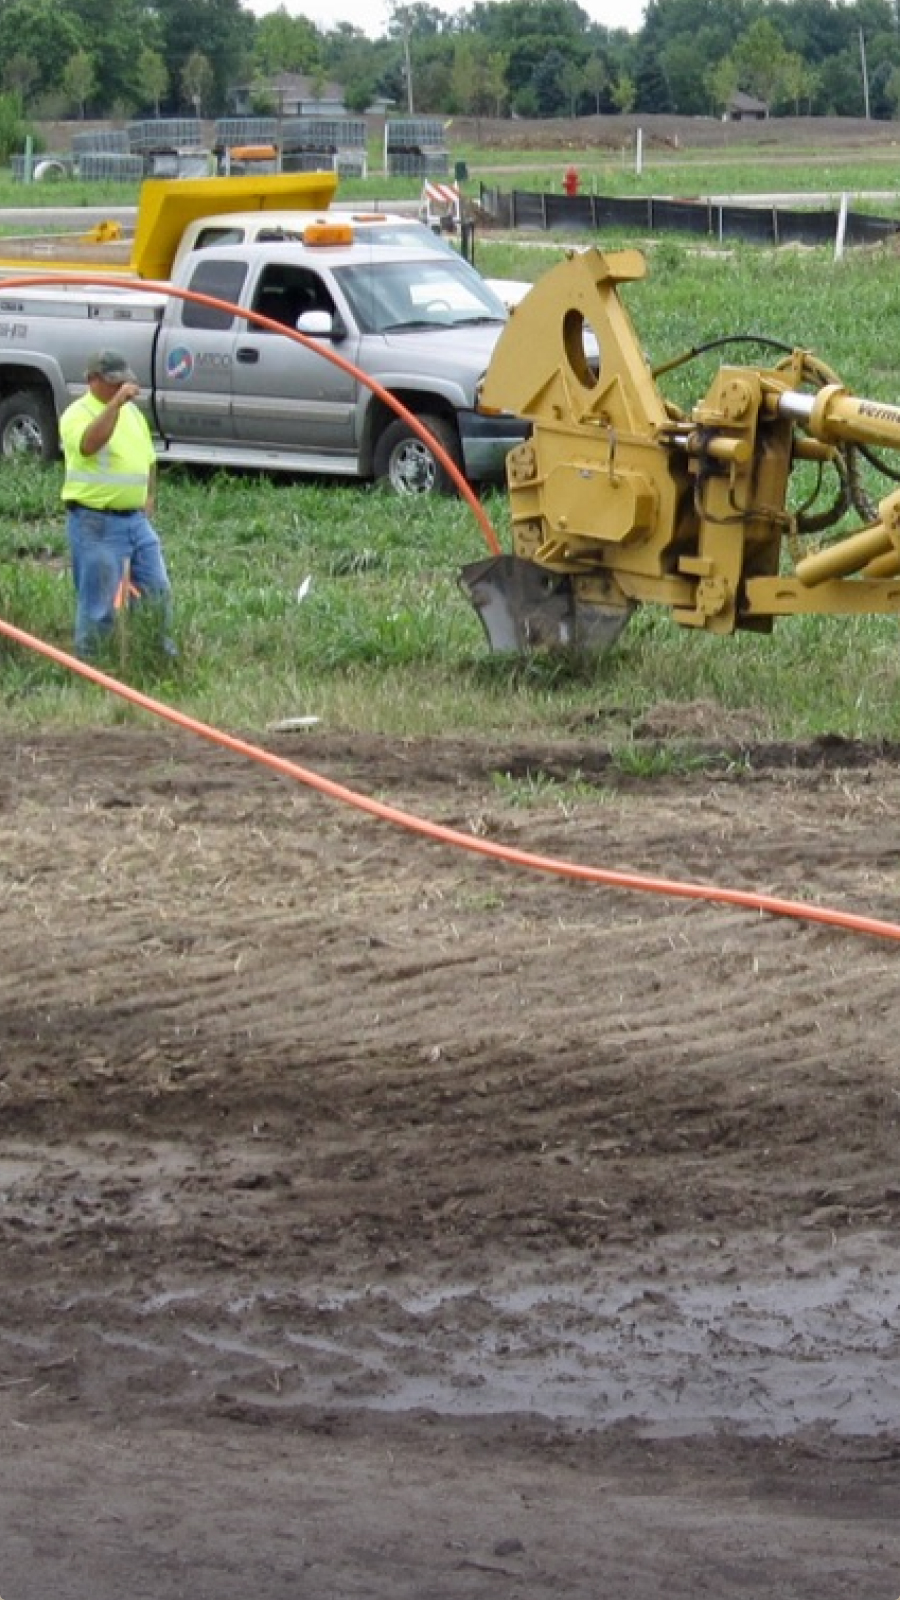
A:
(165, 207)
(57, 252)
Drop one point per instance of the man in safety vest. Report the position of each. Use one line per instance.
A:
(108, 493)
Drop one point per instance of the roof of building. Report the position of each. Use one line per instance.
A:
(740, 101)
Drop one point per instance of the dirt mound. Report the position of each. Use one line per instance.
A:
(802, 134)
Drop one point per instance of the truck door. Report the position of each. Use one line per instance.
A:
(195, 355)
(286, 395)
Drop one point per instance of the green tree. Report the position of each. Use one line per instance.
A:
(20, 74)
(283, 43)
(683, 68)
(892, 93)
(761, 60)
(38, 31)
(799, 82)
(882, 49)
(559, 22)
(359, 92)
(416, 18)
(571, 81)
(464, 86)
(595, 78)
(347, 53)
(548, 85)
(113, 33)
(879, 78)
(197, 81)
(624, 94)
(527, 31)
(651, 84)
(840, 92)
(79, 80)
(525, 103)
(226, 32)
(154, 77)
(492, 72)
(434, 76)
(819, 29)
(13, 130)
(722, 81)
(263, 99)
(720, 23)
(426, 55)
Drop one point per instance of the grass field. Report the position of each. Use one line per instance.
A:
(685, 173)
(384, 640)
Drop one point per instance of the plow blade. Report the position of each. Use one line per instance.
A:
(524, 608)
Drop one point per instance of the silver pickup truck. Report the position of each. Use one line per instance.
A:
(220, 389)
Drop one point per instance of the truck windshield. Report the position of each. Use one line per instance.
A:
(393, 296)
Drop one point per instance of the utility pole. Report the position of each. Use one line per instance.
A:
(865, 72)
(407, 68)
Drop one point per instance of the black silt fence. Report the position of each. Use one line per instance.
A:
(755, 224)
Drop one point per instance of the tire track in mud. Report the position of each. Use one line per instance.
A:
(301, 1116)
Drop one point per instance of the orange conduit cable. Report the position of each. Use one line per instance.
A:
(149, 286)
(800, 911)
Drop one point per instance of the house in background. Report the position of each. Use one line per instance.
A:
(745, 108)
(295, 94)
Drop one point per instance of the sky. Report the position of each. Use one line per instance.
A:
(372, 15)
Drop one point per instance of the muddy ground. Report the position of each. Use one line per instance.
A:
(379, 1220)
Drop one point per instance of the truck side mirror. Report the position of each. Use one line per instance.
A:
(316, 324)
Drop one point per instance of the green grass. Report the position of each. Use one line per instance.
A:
(538, 788)
(684, 173)
(384, 640)
(388, 643)
(695, 175)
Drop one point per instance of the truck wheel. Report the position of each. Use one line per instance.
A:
(28, 425)
(406, 464)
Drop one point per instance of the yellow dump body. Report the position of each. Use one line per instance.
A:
(165, 207)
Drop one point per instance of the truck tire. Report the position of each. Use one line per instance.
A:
(406, 464)
(28, 425)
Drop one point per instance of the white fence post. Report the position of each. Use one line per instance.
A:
(841, 233)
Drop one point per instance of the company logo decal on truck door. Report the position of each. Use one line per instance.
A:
(179, 362)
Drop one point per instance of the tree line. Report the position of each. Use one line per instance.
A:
(524, 58)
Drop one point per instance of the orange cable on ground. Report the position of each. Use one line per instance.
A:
(126, 592)
(845, 920)
(798, 910)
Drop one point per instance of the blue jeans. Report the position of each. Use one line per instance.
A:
(101, 543)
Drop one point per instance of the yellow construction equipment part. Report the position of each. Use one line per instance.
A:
(620, 498)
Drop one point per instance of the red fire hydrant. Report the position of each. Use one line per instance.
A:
(571, 180)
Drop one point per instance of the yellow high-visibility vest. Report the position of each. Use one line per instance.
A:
(117, 477)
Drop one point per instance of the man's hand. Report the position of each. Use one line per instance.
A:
(100, 431)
